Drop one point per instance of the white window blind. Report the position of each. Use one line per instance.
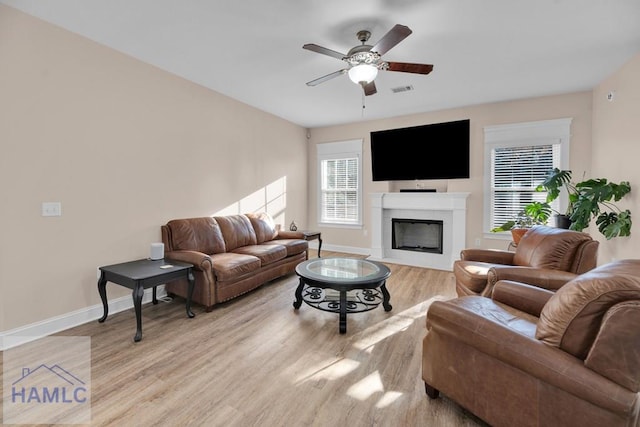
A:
(340, 199)
(517, 171)
(340, 190)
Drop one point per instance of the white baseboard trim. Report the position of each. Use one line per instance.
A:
(345, 249)
(34, 331)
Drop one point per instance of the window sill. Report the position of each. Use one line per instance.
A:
(503, 235)
(339, 225)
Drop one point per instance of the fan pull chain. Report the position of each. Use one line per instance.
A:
(363, 106)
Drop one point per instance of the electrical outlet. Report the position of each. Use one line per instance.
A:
(478, 242)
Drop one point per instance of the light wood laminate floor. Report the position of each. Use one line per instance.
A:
(255, 361)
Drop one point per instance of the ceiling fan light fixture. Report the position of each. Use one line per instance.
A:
(363, 73)
(364, 61)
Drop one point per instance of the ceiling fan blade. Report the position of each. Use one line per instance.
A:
(406, 67)
(325, 78)
(369, 88)
(392, 38)
(323, 50)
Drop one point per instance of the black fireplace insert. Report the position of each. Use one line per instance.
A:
(421, 235)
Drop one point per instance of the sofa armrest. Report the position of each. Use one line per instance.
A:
(616, 350)
(457, 320)
(200, 261)
(541, 277)
(521, 296)
(283, 234)
(492, 256)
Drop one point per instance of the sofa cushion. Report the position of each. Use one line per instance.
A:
(549, 247)
(228, 266)
(263, 226)
(237, 231)
(294, 246)
(572, 317)
(266, 253)
(196, 234)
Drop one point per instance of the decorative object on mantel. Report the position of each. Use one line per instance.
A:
(592, 198)
(293, 226)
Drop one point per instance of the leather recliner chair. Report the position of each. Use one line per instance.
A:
(545, 256)
(533, 357)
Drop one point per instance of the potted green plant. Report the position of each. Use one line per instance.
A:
(592, 198)
(555, 181)
(535, 213)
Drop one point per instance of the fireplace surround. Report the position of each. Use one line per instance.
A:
(448, 208)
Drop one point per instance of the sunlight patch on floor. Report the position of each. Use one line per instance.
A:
(366, 387)
(331, 368)
(394, 324)
(387, 399)
(370, 385)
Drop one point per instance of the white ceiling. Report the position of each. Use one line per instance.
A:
(251, 50)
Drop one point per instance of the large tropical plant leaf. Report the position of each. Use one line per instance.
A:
(612, 224)
(553, 183)
(538, 212)
(600, 190)
(594, 190)
(581, 215)
(620, 190)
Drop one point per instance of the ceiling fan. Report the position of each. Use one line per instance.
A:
(365, 60)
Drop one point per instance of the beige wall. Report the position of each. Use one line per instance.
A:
(575, 105)
(616, 150)
(124, 147)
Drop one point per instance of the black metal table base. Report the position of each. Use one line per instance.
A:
(342, 301)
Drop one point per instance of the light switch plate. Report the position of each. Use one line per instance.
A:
(51, 209)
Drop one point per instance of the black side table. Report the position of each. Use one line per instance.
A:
(140, 275)
(313, 235)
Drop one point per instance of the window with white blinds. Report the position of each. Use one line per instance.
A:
(516, 172)
(517, 159)
(340, 199)
(340, 190)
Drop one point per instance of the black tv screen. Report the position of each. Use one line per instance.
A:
(434, 151)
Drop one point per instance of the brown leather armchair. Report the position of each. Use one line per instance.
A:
(545, 256)
(533, 357)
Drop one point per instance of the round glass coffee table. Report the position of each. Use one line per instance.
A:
(342, 285)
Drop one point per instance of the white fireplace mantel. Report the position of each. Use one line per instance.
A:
(450, 208)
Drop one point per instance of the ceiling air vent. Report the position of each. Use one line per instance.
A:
(402, 89)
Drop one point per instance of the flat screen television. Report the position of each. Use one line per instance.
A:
(434, 151)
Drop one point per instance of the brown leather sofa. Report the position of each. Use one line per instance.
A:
(545, 256)
(232, 254)
(533, 357)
